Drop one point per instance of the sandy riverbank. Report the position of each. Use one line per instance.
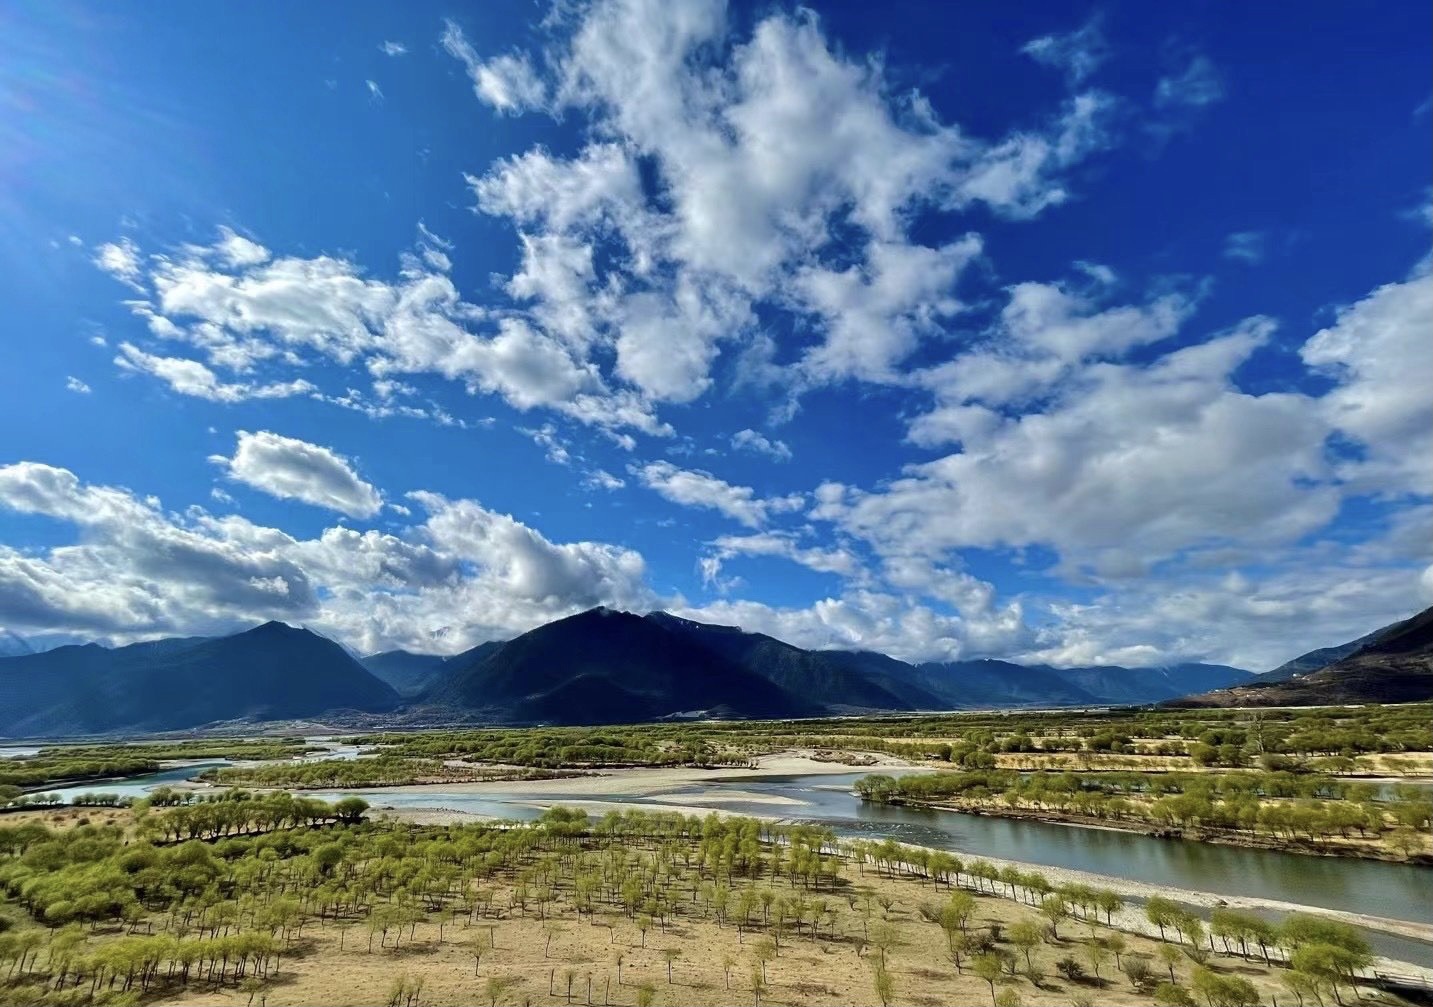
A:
(642, 782)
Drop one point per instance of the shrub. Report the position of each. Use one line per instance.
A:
(1168, 994)
(1138, 971)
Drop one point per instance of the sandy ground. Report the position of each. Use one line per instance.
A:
(665, 778)
(642, 782)
(1131, 919)
(832, 971)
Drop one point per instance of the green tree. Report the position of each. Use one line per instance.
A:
(987, 966)
(1170, 955)
(1055, 909)
(763, 952)
(882, 983)
(1096, 954)
(1168, 994)
(1161, 912)
(1224, 991)
(1007, 997)
(1025, 935)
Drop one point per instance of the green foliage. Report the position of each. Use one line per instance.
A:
(1224, 990)
(217, 891)
(384, 770)
(1168, 994)
(1280, 804)
(71, 764)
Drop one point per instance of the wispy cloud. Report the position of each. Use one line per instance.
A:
(1078, 53)
(1246, 246)
(695, 488)
(1196, 84)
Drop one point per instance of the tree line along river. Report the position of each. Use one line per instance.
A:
(1376, 888)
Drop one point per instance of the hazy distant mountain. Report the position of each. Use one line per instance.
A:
(1315, 660)
(1396, 666)
(1114, 684)
(409, 673)
(13, 644)
(1000, 683)
(1005, 683)
(267, 673)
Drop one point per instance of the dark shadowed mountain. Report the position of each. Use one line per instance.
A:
(1396, 666)
(600, 666)
(1316, 660)
(612, 666)
(409, 673)
(608, 666)
(841, 679)
(270, 672)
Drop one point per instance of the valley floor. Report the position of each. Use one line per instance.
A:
(830, 970)
(598, 789)
(1130, 919)
(641, 782)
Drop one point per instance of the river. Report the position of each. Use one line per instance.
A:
(1371, 887)
(1377, 888)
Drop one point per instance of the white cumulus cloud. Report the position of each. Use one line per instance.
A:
(292, 469)
(757, 443)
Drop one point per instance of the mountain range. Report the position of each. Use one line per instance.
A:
(607, 666)
(1391, 665)
(270, 672)
(1316, 660)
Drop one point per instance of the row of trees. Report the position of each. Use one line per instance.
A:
(232, 812)
(229, 908)
(1324, 957)
(1275, 739)
(384, 770)
(1316, 732)
(78, 763)
(557, 747)
(1248, 802)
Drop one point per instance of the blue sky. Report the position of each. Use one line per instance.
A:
(1073, 334)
